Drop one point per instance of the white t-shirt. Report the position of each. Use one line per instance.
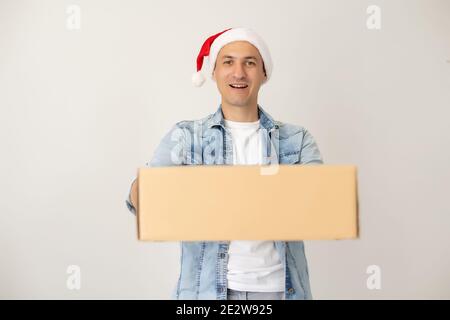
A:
(252, 265)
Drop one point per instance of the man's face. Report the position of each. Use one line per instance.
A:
(239, 63)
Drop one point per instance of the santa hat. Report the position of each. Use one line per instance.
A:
(213, 44)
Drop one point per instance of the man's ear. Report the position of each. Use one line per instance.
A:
(265, 78)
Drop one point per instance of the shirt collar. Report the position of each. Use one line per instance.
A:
(266, 121)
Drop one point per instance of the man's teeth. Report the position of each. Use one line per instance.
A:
(238, 85)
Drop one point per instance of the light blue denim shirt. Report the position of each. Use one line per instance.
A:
(203, 273)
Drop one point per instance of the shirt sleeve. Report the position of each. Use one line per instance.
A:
(310, 153)
(128, 199)
(171, 151)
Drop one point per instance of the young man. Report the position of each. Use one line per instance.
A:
(239, 132)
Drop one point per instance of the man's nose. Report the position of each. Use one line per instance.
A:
(239, 71)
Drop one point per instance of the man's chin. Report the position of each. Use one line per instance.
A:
(238, 103)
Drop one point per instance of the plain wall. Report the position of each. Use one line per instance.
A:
(81, 110)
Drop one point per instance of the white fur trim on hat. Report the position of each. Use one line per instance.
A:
(198, 79)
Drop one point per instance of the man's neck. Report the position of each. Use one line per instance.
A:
(240, 114)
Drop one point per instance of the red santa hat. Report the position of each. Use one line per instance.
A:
(214, 43)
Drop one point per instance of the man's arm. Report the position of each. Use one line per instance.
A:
(310, 153)
(131, 200)
(170, 152)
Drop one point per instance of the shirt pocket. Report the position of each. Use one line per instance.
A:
(290, 157)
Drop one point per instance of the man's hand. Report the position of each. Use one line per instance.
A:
(134, 194)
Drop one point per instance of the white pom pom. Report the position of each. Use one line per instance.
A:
(198, 79)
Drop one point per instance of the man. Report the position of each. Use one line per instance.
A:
(239, 132)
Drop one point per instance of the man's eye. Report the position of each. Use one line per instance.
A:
(227, 62)
(251, 63)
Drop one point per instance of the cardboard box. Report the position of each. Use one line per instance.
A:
(242, 202)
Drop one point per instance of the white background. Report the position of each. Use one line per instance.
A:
(80, 110)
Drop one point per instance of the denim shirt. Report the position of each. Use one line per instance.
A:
(203, 273)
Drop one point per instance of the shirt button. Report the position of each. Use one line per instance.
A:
(222, 255)
(291, 290)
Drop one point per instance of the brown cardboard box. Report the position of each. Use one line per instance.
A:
(213, 203)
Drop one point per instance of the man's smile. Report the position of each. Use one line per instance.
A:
(238, 87)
